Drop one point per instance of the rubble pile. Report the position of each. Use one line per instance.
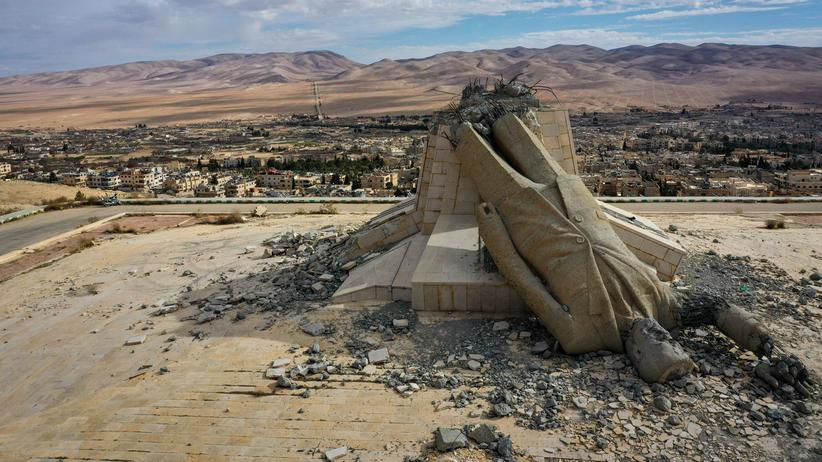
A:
(514, 369)
(497, 369)
(475, 436)
(305, 270)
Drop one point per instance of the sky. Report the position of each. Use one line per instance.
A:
(52, 35)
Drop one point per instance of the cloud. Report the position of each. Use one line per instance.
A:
(670, 14)
(608, 38)
(45, 35)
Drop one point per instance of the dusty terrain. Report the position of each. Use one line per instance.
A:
(252, 86)
(23, 194)
(70, 389)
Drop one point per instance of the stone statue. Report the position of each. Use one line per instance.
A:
(555, 246)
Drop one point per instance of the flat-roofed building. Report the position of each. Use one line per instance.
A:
(74, 179)
(209, 190)
(239, 187)
(380, 180)
(104, 180)
(276, 179)
(804, 182)
(306, 181)
(183, 181)
(138, 179)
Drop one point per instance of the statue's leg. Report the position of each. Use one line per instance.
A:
(749, 332)
(656, 356)
(744, 328)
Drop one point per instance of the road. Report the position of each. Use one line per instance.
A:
(31, 230)
(27, 231)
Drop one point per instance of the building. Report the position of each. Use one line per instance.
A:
(276, 179)
(239, 187)
(74, 179)
(306, 181)
(139, 179)
(183, 181)
(209, 190)
(104, 180)
(743, 187)
(5, 169)
(631, 186)
(379, 180)
(804, 182)
(651, 189)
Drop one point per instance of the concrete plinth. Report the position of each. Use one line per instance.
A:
(430, 245)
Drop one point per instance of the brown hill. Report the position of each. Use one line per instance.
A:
(226, 70)
(251, 85)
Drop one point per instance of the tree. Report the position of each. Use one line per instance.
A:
(79, 197)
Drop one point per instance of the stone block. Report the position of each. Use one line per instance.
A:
(445, 297)
(460, 298)
(135, 340)
(379, 356)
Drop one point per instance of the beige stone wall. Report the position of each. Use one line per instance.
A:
(557, 138)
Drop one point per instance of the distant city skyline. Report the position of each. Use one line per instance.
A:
(51, 35)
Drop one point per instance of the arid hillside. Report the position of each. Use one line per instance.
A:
(241, 86)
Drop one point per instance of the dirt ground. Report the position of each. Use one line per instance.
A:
(79, 242)
(23, 194)
(70, 389)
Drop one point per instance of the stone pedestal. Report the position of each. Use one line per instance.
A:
(430, 243)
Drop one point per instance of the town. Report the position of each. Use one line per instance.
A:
(733, 150)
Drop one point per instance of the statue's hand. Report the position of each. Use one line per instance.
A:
(785, 370)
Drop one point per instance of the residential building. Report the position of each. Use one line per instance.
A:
(5, 169)
(306, 181)
(74, 179)
(276, 179)
(209, 190)
(104, 180)
(239, 187)
(804, 182)
(184, 181)
(138, 179)
(380, 180)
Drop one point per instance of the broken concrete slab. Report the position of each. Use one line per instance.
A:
(448, 439)
(482, 433)
(314, 329)
(336, 453)
(274, 373)
(280, 362)
(378, 356)
(135, 340)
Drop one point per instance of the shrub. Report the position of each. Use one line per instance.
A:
(84, 242)
(117, 228)
(231, 219)
(775, 223)
(327, 209)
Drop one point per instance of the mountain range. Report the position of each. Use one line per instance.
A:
(663, 75)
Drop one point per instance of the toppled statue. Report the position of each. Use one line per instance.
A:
(553, 243)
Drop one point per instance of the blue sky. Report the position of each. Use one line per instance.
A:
(48, 35)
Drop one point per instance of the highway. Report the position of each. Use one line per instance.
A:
(27, 231)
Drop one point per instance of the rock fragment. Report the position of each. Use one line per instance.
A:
(336, 453)
(378, 356)
(135, 340)
(500, 325)
(448, 439)
(314, 329)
